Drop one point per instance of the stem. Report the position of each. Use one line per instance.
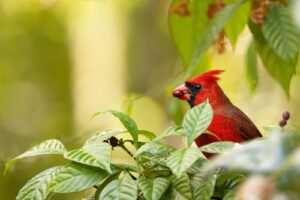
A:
(125, 149)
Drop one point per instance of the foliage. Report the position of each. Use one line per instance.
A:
(197, 25)
(161, 171)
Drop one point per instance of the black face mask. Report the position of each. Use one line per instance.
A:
(194, 89)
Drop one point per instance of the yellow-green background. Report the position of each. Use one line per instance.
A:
(63, 60)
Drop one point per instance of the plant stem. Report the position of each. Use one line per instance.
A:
(125, 149)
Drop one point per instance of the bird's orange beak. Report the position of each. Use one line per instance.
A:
(182, 92)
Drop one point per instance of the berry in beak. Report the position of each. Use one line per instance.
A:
(182, 92)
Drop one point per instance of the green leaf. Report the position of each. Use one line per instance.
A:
(180, 160)
(251, 67)
(197, 120)
(147, 134)
(94, 154)
(154, 149)
(153, 189)
(210, 32)
(45, 148)
(260, 156)
(76, 177)
(105, 183)
(281, 33)
(122, 189)
(196, 166)
(280, 69)
(237, 22)
(128, 123)
(104, 135)
(124, 167)
(182, 186)
(37, 187)
(217, 147)
(176, 130)
(193, 25)
(156, 170)
(206, 189)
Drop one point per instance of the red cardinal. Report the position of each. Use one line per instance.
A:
(229, 123)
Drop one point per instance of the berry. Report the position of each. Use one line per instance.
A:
(286, 115)
(282, 123)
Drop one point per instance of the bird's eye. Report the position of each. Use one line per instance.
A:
(198, 87)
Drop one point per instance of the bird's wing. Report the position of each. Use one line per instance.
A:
(246, 126)
(238, 121)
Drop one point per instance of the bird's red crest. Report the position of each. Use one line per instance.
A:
(209, 76)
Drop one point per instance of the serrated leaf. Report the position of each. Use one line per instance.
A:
(281, 33)
(197, 120)
(122, 189)
(94, 154)
(127, 122)
(180, 160)
(154, 149)
(237, 22)
(182, 186)
(217, 147)
(37, 187)
(205, 190)
(176, 130)
(101, 136)
(47, 147)
(210, 32)
(153, 189)
(251, 67)
(193, 25)
(76, 177)
(280, 69)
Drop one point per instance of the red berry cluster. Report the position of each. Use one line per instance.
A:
(285, 117)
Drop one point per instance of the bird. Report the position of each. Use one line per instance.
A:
(229, 123)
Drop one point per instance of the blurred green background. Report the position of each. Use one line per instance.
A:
(63, 60)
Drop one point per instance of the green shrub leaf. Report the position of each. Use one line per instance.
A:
(128, 123)
(197, 120)
(153, 189)
(37, 187)
(94, 154)
(154, 149)
(182, 186)
(281, 33)
(217, 147)
(237, 22)
(193, 25)
(205, 190)
(180, 160)
(281, 70)
(210, 32)
(76, 177)
(251, 67)
(45, 148)
(169, 132)
(147, 134)
(122, 189)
